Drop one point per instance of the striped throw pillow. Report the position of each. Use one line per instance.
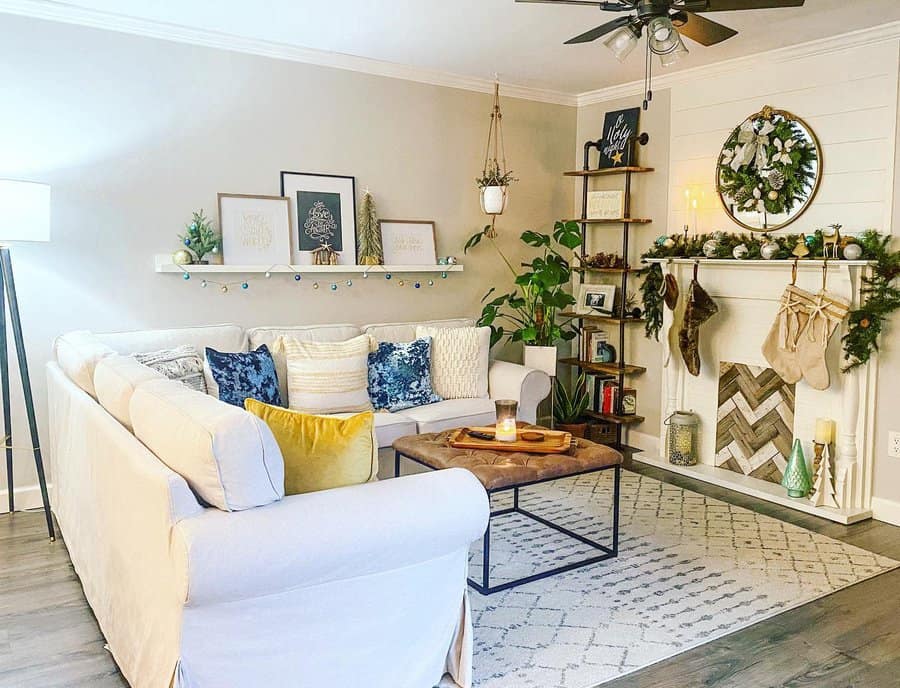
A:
(327, 377)
(183, 363)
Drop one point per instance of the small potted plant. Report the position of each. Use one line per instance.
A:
(494, 185)
(200, 238)
(532, 312)
(568, 411)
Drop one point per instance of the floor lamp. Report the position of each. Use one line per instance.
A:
(24, 216)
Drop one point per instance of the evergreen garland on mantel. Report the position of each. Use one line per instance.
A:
(880, 297)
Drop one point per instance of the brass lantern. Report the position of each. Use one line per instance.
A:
(682, 438)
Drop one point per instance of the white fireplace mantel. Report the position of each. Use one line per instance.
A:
(748, 293)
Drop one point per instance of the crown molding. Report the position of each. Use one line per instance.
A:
(69, 14)
(820, 46)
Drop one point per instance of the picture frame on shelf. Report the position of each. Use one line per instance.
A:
(408, 242)
(596, 299)
(617, 144)
(256, 230)
(324, 215)
(601, 350)
(606, 205)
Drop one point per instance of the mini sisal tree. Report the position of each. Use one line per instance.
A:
(370, 249)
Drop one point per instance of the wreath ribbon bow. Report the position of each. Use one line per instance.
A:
(752, 145)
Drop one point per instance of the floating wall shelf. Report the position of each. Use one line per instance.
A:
(164, 264)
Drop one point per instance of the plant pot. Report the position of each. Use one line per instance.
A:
(493, 199)
(575, 429)
(540, 358)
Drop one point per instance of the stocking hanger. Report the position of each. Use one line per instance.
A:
(824, 273)
(696, 268)
(794, 272)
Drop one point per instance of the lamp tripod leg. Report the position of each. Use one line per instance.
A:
(9, 283)
(4, 391)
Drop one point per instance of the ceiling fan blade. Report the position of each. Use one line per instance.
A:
(601, 30)
(704, 31)
(609, 5)
(734, 5)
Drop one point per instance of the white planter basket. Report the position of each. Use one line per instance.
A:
(541, 358)
(493, 199)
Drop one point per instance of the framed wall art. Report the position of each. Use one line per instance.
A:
(408, 242)
(616, 147)
(596, 299)
(324, 214)
(606, 205)
(256, 230)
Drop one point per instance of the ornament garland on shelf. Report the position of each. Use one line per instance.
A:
(879, 294)
(767, 166)
(244, 284)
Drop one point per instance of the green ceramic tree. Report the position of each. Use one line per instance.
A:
(796, 474)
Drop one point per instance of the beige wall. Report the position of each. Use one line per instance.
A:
(648, 199)
(135, 133)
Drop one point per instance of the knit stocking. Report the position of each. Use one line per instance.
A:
(780, 346)
(826, 312)
(700, 308)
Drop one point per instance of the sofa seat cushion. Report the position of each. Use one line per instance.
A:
(452, 413)
(229, 457)
(257, 336)
(116, 377)
(78, 354)
(406, 331)
(390, 426)
(321, 452)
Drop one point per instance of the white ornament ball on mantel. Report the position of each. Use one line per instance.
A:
(740, 251)
(710, 248)
(773, 195)
(768, 250)
(852, 252)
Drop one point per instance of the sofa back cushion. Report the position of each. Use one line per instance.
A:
(219, 337)
(78, 354)
(258, 336)
(116, 377)
(228, 456)
(406, 331)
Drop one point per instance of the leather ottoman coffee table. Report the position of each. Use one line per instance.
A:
(510, 471)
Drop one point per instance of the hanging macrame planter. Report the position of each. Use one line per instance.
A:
(495, 177)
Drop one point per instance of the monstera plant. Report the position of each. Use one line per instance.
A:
(531, 311)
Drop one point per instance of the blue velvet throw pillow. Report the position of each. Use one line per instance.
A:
(400, 375)
(242, 376)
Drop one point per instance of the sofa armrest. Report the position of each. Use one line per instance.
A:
(513, 381)
(310, 539)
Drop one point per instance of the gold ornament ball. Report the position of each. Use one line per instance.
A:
(773, 195)
(182, 257)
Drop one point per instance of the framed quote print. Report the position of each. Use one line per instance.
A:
(324, 209)
(256, 230)
(408, 242)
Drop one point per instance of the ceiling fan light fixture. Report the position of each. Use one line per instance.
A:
(663, 36)
(673, 56)
(622, 42)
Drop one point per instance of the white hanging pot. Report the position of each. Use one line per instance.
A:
(493, 199)
(541, 358)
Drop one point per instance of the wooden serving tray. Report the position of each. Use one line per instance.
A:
(554, 441)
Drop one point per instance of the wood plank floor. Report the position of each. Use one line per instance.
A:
(851, 639)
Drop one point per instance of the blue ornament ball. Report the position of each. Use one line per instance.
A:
(186, 275)
(417, 285)
(443, 275)
(244, 285)
(333, 287)
(387, 276)
(187, 242)
(297, 278)
(810, 240)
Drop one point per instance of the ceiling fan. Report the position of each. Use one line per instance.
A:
(666, 21)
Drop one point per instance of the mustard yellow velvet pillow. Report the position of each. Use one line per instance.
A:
(321, 452)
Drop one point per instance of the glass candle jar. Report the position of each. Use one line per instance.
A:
(506, 419)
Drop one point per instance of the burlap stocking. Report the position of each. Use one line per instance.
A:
(826, 312)
(700, 308)
(780, 346)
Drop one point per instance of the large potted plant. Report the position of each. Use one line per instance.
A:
(568, 411)
(531, 312)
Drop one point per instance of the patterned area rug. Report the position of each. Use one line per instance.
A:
(690, 569)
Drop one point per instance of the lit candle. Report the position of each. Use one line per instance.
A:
(506, 420)
(824, 431)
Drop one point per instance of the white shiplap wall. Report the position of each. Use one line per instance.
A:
(848, 97)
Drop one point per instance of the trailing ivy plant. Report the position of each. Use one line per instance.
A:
(530, 312)
(651, 293)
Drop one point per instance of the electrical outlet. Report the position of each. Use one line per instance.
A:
(894, 444)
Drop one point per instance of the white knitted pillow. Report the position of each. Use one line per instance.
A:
(327, 377)
(459, 360)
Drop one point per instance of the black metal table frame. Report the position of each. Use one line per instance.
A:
(485, 588)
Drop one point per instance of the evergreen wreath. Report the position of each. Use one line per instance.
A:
(866, 323)
(767, 164)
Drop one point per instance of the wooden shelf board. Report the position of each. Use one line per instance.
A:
(616, 221)
(613, 418)
(164, 265)
(610, 170)
(602, 318)
(603, 368)
(612, 271)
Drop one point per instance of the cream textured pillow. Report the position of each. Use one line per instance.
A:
(459, 360)
(327, 377)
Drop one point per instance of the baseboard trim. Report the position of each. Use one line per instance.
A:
(644, 441)
(26, 498)
(886, 510)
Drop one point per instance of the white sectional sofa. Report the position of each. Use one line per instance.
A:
(362, 585)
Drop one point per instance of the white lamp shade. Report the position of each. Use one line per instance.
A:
(24, 211)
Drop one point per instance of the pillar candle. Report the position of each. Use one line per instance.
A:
(824, 431)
